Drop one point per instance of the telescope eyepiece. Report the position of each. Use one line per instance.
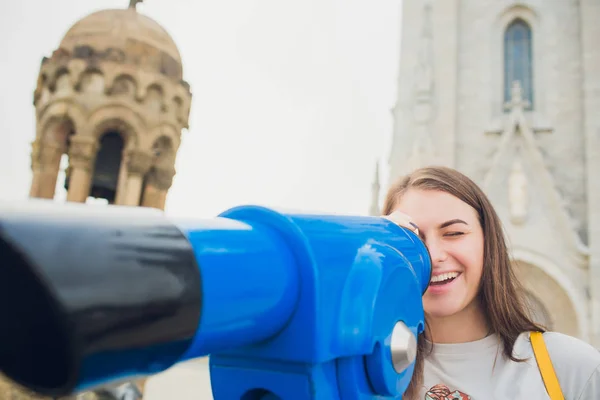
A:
(91, 293)
(39, 336)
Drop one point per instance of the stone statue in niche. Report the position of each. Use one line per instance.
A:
(518, 194)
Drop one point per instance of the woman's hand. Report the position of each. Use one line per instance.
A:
(403, 220)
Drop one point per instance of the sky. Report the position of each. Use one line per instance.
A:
(291, 100)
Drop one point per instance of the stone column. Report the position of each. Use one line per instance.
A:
(157, 185)
(82, 155)
(45, 163)
(122, 183)
(138, 164)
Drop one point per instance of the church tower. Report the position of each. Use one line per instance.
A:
(112, 100)
(110, 103)
(494, 90)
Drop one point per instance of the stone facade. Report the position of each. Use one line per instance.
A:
(112, 99)
(533, 144)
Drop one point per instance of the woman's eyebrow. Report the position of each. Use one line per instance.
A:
(452, 222)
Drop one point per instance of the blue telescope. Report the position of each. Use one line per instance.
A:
(287, 306)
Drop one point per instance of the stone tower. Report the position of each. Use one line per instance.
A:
(112, 99)
(494, 90)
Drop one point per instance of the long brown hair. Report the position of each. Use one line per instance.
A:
(500, 292)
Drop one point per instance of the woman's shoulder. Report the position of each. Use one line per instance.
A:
(564, 349)
(567, 349)
(576, 362)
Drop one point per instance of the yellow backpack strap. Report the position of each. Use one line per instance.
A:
(545, 365)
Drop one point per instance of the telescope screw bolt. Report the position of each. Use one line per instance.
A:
(403, 347)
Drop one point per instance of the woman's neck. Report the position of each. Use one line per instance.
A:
(467, 326)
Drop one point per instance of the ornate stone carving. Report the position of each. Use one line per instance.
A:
(138, 162)
(82, 152)
(162, 178)
(518, 195)
(44, 155)
(134, 53)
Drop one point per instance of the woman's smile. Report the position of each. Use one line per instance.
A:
(443, 283)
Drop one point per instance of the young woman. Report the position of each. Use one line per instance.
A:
(477, 341)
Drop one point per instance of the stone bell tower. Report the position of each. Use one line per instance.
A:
(112, 99)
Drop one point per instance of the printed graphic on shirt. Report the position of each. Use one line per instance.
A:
(442, 392)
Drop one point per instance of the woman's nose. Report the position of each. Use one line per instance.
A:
(436, 251)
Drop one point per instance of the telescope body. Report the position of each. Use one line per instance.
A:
(287, 305)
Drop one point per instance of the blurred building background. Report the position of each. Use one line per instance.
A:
(508, 92)
(505, 91)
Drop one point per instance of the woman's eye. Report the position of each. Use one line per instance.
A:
(454, 234)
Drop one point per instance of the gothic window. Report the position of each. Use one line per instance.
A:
(518, 60)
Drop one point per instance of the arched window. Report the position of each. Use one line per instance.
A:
(518, 60)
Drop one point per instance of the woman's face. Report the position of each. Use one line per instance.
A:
(451, 230)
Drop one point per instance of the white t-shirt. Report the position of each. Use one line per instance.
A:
(480, 371)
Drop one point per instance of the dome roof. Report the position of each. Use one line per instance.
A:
(125, 35)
